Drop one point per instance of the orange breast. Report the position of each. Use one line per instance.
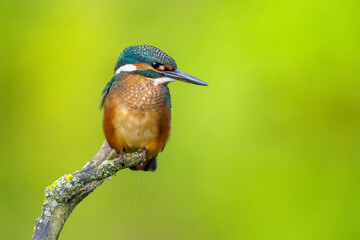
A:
(137, 115)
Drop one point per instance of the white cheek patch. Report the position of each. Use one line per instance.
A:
(163, 80)
(126, 68)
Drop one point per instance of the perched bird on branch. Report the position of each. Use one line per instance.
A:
(136, 101)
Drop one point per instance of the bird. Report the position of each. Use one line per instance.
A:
(137, 104)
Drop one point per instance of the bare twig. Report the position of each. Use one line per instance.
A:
(64, 194)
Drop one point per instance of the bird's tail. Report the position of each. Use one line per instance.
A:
(148, 165)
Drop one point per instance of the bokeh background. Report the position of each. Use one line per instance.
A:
(270, 150)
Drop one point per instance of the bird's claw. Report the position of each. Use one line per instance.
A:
(143, 155)
(121, 157)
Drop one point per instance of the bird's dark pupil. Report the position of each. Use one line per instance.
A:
(155, 65)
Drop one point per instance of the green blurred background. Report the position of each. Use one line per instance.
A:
(270, 150)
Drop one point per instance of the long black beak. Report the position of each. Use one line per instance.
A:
(184, 77)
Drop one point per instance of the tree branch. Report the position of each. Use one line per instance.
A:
(66, 193)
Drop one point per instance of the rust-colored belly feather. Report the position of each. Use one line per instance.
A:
(137, 115)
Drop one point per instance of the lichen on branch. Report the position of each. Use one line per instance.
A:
(62, 196)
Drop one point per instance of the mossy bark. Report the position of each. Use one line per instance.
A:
(67, 192)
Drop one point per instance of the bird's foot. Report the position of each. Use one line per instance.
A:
(121, 157)
(143, 155)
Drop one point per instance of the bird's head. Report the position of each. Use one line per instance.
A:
(152, 63)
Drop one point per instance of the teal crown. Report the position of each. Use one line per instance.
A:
(144, 54)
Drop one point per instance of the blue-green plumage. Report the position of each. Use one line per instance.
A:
(144, 54)
(109, 85)
(168, 99)
(149, 73)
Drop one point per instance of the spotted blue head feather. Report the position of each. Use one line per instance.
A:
(144, 54)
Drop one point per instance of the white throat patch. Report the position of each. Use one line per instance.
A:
(162, 80)
(126, 68)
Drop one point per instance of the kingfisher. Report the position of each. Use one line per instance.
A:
(137, 105)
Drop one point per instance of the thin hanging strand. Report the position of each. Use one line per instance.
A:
(136, 197)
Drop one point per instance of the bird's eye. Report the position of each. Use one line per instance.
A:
(155, 65)
(158, 66)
